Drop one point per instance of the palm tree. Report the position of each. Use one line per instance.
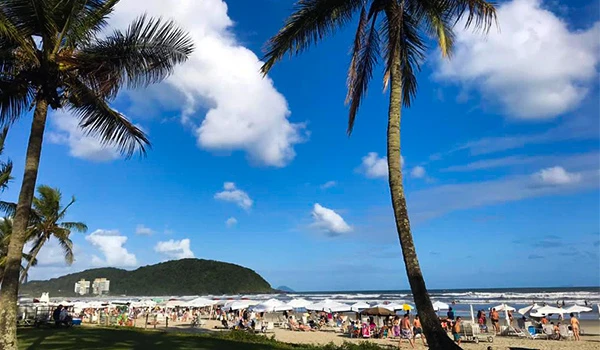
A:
(6, 225)
(5, 167)
(46, 214)
(52, 57)
(393, 29)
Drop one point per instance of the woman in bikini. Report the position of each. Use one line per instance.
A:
(575, 326)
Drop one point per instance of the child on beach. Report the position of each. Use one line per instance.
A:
(456, 330)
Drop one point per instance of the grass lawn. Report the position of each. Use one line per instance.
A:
(93, 338)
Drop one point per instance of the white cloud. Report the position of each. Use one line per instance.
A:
(329, 221)
(51, 254)
(232, 194)
(328, 184)
(175, 249)
(418, 172)
(556, 176)
(534, 66)
(143, 230)
(111, 245)
(231, 222)
(373, 166)
(67, 132)
(227, 102)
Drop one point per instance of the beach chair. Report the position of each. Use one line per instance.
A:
(565, 332)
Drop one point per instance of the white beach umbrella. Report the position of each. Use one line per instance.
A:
(340, 307)
(298, 303)
(577, 309)
(359, 306)
(242, 304)
(504, 307)
(438, 305)
(546, 310)
(391, 306)
(284, 307)
(526, 309)
(267, 306)
(200, 302)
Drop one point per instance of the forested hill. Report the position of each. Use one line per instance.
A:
(177, 277)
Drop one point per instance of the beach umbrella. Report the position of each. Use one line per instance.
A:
(339, 307)
(267, 306)
(472, 314)
(378, 311)
(298, 303)
(546, 310)
(526, 309)
(242, 304)
(284, 307)
(407, 307)
(391, 306)
(504, 307)
(361, 305)
(577, 309)
(200, 302)
(438, 305)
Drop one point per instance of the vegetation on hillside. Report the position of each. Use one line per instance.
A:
(177, 277)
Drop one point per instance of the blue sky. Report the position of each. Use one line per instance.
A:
(501, 158)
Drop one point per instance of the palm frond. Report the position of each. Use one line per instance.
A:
(32, 17)
(16, 97)
(311, 21)
(8, 208)
(481, 14)
(363, 62)
(11, 33)
(91, 19)
(145, 54)
(96, 118)
(67, 247)
(74, 226)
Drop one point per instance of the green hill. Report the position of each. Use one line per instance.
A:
(177, 277)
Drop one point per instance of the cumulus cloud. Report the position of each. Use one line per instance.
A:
(227, 102)
(143, 230)
(328, 184)
(373, 166)
(556, 176)
(232, 194)
(66, 131)
(111, 244)
(329, 221)
(231, 222)
(418, 172)
(525, 66)
(174, 249)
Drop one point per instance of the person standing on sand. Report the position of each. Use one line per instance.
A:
(495, 320)
(456, 330)
(418, 329)
(575, 326)
(406, 333)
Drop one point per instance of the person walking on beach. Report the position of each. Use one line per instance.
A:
(456, 330)
(450, 314)
(575, 326)
(406, 333)
(495, 320)
(418, 329)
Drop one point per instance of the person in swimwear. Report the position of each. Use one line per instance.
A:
(405, 332)
(418, 329)
(575, 326)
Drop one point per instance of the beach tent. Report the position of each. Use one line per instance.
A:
(577, 309)
(523, 311)
(504, 307)
(361, 305)
(438, 305)
(378, 311)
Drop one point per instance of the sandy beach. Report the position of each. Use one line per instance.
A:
(589, 341)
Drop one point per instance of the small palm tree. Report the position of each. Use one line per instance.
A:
(392, 29)
(5, 167)
(46, 216)
(53, 58)
(6, 225)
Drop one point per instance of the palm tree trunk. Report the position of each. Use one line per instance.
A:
(436, 336)
(10, 282)
(34, 253)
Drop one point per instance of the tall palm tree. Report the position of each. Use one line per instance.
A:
(6, 225)
(46, 216)
(395, 30)
(51, 56)
(5, 167)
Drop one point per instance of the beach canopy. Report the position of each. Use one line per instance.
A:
(242, 304)
(546, 310)
(578, 308)
(358, 306)
(298, 303)
(391, 306)
(526, 309)
(504, 307)
(378, 311)
(268, 305)
(329, 306)
(438, 305)
(200, 302)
